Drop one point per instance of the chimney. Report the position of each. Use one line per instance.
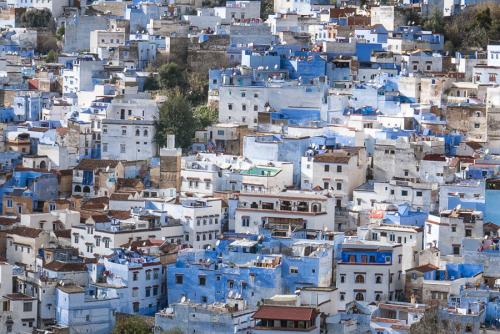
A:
(170, 165)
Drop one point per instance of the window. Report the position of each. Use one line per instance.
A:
(342, 296)
(477, 125)
(135, 292)
(404, 192)
(419, 194)
(294, 270)
(378, 279)
(106, 243)
(468, 232)
(135, 275)
(326, 185)
(124, 131)
(105, 147)
(327, 168)
(360, 279)
(179, 279)
(339, 169)
(360, 296)
(202, 280)
(137, 132)
(155, 290)
(255, 108)
(135, 307)
(122, 148)
(244, 107)
(230, 106)
(453, 228)
(148, 291)
(9, 203)
(339, 186)
(76, 238)
(148, 274)
(342, 278)
(456, 249)
(28, 307)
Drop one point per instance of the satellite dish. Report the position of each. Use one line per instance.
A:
(183, 299)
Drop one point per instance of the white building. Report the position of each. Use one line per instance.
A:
(205, 174)
(494, 55)
(305, 209)
(129, 129)
(420, 196)
(56, 7)
(369, 271)
(448, 230)
(196, 221)
(339, 172)
(242, 104)
(79, 77)
(100, 237)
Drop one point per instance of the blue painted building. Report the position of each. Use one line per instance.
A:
(492, 198)
(38, 186)
(140, 278)
(250, 268)
(296, 116)
(27, 106)
(405, 216)
(87, 310)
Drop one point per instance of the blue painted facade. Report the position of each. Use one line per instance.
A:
(405, 216)
(248, 268)
(305, 65)
(454, 271)
(364, 50)
(39, 186)
(27, 107)
(297, 116)
(142, 278)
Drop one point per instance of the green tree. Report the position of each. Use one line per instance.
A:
(51, 57)
(484, 19)
(171, 76)
(132, 325)
(176, 117)
(173, 331)
(36, 18)
(151, 83)
(435, 22)
(205, 116)
(60, 33)
(266, 8)
(197, 88)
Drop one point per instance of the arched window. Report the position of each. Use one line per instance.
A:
(137, 132)
(145, 133)
(316, 207)
(377, 297)
(378, 279)
(78, 189)
(360, 297)
(360, 279)
(43, 165)
(86, 189)
(198, 237)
